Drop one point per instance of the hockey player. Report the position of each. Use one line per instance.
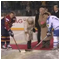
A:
(29, 27)
(6, 32)
(53, 23)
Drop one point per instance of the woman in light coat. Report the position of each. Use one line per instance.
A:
(28, 28)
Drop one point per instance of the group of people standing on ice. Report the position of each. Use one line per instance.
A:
(45, 24)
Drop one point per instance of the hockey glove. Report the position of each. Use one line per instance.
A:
(48, 34)
(11, 33)
(34, 30)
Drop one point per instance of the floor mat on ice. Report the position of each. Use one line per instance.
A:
(23, 46)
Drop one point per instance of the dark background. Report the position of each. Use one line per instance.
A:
(20, 7)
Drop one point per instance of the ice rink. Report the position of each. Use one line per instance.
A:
(35, 54)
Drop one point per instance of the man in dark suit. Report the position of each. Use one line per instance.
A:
(38, 27)
(56, 11)
(28, 11)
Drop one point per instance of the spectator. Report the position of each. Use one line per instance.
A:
(5, 5)
(49, 5)
(56, 11)
(28, 11)
(36, 12)
(22, 4)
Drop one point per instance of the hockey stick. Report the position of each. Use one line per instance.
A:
(16, 44)
(37, 44)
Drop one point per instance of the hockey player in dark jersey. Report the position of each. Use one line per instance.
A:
(6, 32)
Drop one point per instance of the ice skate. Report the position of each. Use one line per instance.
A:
(3, 47)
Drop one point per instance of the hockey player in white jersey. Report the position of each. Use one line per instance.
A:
(53, 23)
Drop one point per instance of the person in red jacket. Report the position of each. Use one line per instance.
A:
(6, 32)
